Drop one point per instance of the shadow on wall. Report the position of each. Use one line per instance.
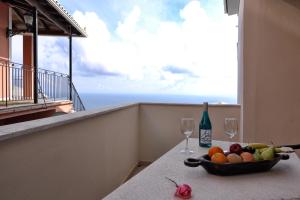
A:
(295, 3)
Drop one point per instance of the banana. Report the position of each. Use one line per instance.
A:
(258, 145)
(277, 150)
(284, 150)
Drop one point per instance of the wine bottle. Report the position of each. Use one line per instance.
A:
(205, 129)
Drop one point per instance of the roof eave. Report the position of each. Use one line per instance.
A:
(67, 16)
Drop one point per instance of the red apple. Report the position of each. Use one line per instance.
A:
(236, 148)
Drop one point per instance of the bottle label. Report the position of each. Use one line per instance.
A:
(205, 136)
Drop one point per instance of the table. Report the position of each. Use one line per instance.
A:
(282, 182)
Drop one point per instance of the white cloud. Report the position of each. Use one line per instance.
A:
(52, 54)
(127, 28)
(17, 49)
(95, 46)
(204, 46)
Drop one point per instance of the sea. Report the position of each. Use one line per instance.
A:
(92, 101)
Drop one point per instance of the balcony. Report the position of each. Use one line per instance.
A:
(86, 155)
(56, 93)
(26, 90)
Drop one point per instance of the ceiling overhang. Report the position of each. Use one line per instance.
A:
(53, 19)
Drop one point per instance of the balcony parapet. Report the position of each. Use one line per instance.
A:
(29, 127)
(103, 145)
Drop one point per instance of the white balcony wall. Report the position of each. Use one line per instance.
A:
(84, 159)
(86, 155)
(160, 125)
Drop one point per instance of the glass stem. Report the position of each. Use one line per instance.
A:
(186, 143)
(231, 141)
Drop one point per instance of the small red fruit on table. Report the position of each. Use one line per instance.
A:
(236, 148)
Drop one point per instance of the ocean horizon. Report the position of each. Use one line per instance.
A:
(99, 100)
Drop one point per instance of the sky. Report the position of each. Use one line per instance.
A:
(147, 46)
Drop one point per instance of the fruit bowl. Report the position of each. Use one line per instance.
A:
(227, 169)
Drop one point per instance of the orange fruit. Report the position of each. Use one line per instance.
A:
(219, 158)
(214, 149)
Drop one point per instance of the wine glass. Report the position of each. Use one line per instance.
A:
(230, 127)
(187, 127)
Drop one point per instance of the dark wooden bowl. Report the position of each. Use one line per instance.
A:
(229, 169)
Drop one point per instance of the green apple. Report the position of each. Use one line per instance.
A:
(263, 149)
(268, 154)
(257, 156)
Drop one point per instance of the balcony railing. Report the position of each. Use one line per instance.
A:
(77, 102)
(16, 86)
(54, 85)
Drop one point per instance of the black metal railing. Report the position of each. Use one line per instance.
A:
(77, 102)
(54, 85)
(16, 83)
(16, 86)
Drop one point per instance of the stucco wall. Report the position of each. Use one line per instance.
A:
(4, 44)
(85, 159)
(271, 70)
(160, 125)
(28, 66)
(4, 51)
